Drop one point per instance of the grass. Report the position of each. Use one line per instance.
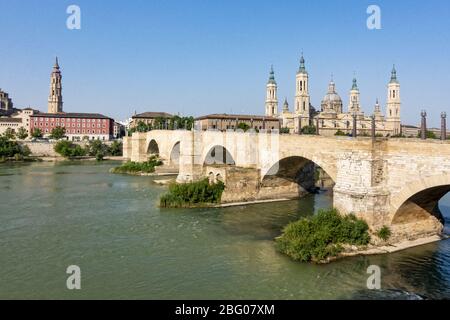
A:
(194, 194)
(322, 236)
(384, 233)
(138, 167)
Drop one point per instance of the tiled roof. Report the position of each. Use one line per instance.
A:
(72, 115)
(236, 116)
(152, 115)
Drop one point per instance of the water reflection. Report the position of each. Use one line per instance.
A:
(54, 215)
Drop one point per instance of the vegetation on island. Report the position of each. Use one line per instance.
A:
(12, 151)
(193, 194)
(131, 167)
(322, 236)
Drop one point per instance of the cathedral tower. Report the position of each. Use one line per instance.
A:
(354, 103)
(393, 104)
(55, 102)
(271, 96)
(302, 99)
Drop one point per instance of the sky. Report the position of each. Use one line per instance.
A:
(196, 57)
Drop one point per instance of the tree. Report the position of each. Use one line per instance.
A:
(58, 133)
(116, 149)
(9, 134)
(429, 135)
(22, 133)
(142, 127)
(68, 149)
(243, 126)
(309, 130)
(96, 147)
(36, 133)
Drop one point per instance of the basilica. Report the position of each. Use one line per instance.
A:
(332, 119)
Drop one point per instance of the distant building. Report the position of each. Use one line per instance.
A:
(224, 122)
(6, 104)
(148, 118)
(331, 117)
(79, 126)
(18, 119)
(119, 130)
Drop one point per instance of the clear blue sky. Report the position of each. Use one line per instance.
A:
(204, 56)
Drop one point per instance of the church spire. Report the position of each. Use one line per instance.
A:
(302, 68)
(272, 76)
(394, 75)
(355, 84)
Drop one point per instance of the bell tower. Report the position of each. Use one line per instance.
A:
(271, 95)
(393, 104)
(55, 102)
(302, 99)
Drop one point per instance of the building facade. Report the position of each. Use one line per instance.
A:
(149, 118)
(78, 126)
(18, 119)
(5, 102)
(331, 118)
(224, 122)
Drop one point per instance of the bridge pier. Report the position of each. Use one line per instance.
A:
(387, 182)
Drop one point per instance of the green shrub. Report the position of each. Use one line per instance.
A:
(9, 148)
(322, 236)
(116, 149)
(192, 194)
(309, 130)
(384, 233)
(285, 130)
(340, 133)
(69, 150)
(136, 167)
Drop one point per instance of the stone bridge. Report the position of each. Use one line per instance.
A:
(392, 182)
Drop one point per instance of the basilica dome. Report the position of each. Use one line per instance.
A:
(332, 102)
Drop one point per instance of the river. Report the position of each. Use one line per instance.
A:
(56, 215)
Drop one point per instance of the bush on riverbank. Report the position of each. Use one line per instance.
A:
(322, 236)
(136, 167)
(12, 150)
(69, 150)
(192, 194)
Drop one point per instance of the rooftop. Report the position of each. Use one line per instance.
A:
(236, 116)
(72, 115)
(152, 115)
(15, 120)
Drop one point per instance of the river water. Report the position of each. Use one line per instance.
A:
(56, 215)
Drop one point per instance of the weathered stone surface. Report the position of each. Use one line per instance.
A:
(394, 182)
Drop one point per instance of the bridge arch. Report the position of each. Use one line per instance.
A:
(175, 153)
(153, 148)
(419, 200)
(293, 176)
(217, 155)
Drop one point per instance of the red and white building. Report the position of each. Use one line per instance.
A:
(79, 126)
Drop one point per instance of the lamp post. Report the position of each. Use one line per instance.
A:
(354, 130)
(423, 127)
(373, 127)
(443, 126)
